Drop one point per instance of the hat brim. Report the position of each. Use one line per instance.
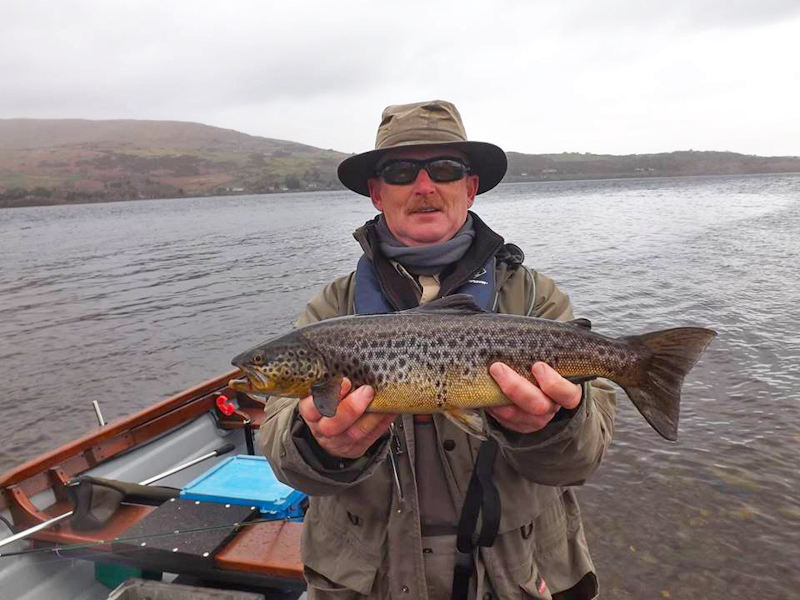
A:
(486, 160)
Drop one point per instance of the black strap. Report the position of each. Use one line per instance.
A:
(482, 498)
(248, 438)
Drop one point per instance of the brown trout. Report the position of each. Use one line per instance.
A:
(436, 358)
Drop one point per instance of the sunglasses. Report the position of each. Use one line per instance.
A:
(440, 170)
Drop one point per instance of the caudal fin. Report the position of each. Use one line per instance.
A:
(669, 356)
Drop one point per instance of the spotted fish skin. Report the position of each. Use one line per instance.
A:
(426, 362)
(436, 358)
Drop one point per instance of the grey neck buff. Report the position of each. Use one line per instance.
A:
(426, 260)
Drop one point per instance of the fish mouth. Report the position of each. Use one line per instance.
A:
(254, 382)
(241, 385)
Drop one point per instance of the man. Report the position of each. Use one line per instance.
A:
(387, 491)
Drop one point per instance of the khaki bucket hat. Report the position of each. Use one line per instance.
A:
(424, 124)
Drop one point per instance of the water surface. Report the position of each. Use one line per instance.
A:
(128, 303)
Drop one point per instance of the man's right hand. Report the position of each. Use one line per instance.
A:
(350, 432)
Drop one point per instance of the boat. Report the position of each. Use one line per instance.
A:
(175, 441)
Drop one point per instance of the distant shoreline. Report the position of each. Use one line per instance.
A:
(506, 181)
(642, 177)
(56, 162)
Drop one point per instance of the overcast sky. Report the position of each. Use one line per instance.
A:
(604, 76)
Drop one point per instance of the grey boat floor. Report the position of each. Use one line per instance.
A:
(50, 576)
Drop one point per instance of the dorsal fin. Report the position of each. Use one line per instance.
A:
(461, 304)
(582, 323)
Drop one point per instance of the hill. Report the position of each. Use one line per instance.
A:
(573, 165)
(62, 161)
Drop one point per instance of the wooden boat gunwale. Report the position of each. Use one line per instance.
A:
(125, 424)
(31, 483)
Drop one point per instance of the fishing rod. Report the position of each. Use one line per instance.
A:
(117, 540)
(130, 551)
(36, 528)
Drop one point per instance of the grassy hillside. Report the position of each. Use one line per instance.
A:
(70, 160)
(62, 161)
(573, 165)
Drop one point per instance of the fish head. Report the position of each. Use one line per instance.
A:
(286, 366)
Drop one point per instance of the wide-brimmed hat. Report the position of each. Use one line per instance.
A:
(424, 124)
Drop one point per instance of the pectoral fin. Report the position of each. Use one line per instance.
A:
(326, 395)
(470, 421)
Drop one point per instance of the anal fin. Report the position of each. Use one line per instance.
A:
(579, 379)
(470, 421)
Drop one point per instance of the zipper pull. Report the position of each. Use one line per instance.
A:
(395, 450)
(397, 446)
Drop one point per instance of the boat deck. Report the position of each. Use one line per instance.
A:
(264, 556)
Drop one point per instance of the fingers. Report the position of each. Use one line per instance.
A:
(559, 390)
(308, 411)
(520, 391)
(379, 427)
(534, 406)
(356, 440)
(348, 412)
(347, 385)
(516, 419)
(351, 431)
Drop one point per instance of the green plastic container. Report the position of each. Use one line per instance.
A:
(136, 589)
(112, 575)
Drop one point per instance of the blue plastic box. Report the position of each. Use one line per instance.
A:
(249, 481)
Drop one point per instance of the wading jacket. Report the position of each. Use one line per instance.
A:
(362, 540)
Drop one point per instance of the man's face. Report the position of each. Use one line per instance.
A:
(424, 212)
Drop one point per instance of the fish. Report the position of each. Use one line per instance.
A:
(435, 358)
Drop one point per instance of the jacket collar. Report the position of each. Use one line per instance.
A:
(401, 292)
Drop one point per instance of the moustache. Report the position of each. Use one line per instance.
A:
(421, 206)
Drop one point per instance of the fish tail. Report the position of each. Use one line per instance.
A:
(667, 356)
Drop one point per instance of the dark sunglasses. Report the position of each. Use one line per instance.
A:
(405, 171)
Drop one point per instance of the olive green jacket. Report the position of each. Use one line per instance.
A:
(360, 540)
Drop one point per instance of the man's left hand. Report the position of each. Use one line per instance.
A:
(535, 405)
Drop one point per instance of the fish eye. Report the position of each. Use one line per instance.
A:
(258, 358)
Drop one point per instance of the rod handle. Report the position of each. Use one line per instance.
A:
(224, 449)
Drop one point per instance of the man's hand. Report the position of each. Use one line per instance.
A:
(350, 432)
(534, 405)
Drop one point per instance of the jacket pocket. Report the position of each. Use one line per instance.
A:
(319, 587)
(561, 550)
(336, 564)
(536, 587)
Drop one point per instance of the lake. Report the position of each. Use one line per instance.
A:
(128, 303)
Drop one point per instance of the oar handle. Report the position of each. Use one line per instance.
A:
(224, 449)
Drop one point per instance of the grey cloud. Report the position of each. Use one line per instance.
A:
(172, 57)
(320, 72)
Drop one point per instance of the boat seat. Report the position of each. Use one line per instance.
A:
(183, 535)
